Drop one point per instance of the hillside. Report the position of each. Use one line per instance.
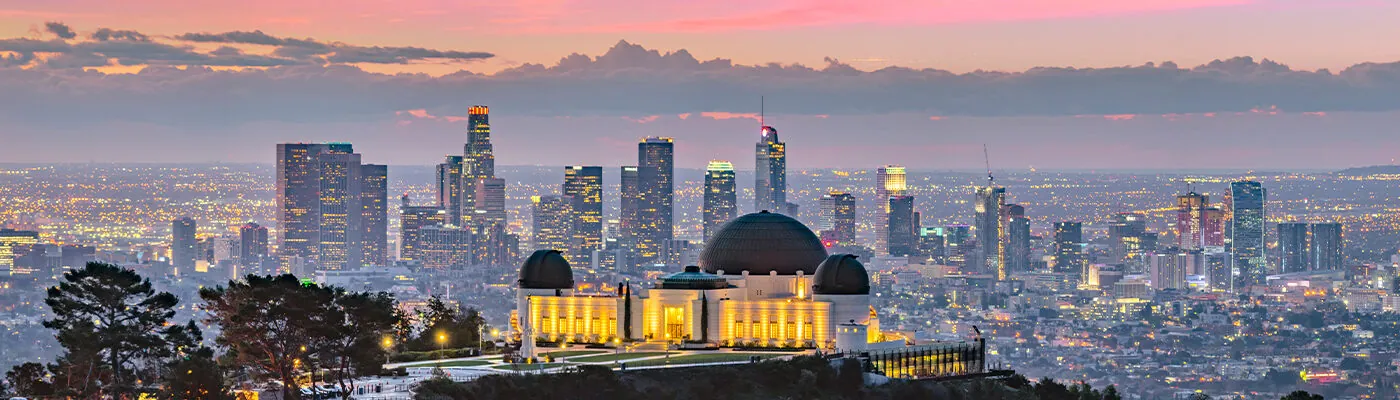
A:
(1371, 170)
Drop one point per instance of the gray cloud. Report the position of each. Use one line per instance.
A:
(60, 29)
(335, 52)
(105, 34)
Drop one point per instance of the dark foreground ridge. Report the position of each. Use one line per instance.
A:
(800, 378)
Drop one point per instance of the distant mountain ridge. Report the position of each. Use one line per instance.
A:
(1371, 170)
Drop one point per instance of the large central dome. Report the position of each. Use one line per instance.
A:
(763, 242)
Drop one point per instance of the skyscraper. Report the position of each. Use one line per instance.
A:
(1247, 230)
(630, 201)
(321, 198)
(770, 175)
(489, 202)
(903, 234)
(451, 190)
(957, 240)
(1327, 246)
(890, 181)
(184, 249)
(252, 244)
(553, 221)
(585, 186)
(721, 198)
(655, 182)
(1292, 248)
(1127, 233)
(444, 247)
(838, 219)
(1069, 247)
(412, 219)
(374, 206)
(987, 226)
(1018, 241)
(1192, 221)
(478, 158)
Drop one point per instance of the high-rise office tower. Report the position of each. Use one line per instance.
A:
(838, 219)
(631, 199)
(184, 249)
(1326, 246)
(478, 158)
(444, 247)
(1292, 248)
(412, 219)
(1018, 241)
(341, 225)
(903, 234)
(957, 241)
(450, 188)
(374, 206)
(490, 202)
(890, 181)
(770, 175)
(585, 186)
(1069, 247)
(1127, 233)
(12, 244)
(721, 198)
(987, 226)
(321, 194)
(553, 218)
(1191, 220)
(252, 244)
(655, 181)
(1247, 200)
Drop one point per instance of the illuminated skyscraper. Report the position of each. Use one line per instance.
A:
(490, 203)
(252, 244)
(1292, 247)
(412, 219)
(1191, 220)
(1326, 246)
(1247, 216)
(838, 219)
(630, 201)
(903, 234)
(450, 187)
(585, 186)
(443, 247)
(184, 249)
(1069, 247)
(1127, 233)
(890, 181)
(957, 240)
(1017, 256)
(721, 198)
(987, 226)
(478, 158)
(374, 205)
(770, 175)
(553, 221)
(655, 182)
(321, 197)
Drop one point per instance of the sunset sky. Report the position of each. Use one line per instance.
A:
(282, 70)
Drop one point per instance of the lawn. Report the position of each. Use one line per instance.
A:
(617, 357)
(700, 359)
(571, 353)
(461, 363)
(526, 367)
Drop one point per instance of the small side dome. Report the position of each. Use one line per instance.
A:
(546, 269)
(841, 274)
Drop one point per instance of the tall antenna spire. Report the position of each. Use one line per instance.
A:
(760, 113)
(987, 159)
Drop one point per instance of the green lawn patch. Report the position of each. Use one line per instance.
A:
(462, 363)
(526, 367)
(571, 353)
(700, 359)
(617, 357)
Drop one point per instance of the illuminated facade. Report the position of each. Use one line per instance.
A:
(10, 241)
(450, 188)
(1069, 247)
(1246, 221)
(770, 175)
(184, 249)
(721, 198)
(655, 188)
(889, 182)
(838, 219)
(553, 222)
(585, 186)
(764, 280)
(902, 237)
(374, 214)
(332, 208)
(411, 220)
(988, 228)
(253, 244)
(478, 160)
(1293, 247)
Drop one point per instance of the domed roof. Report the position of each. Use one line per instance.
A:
(760, 243)
(546, 269)
(841, 274)
(692, 278)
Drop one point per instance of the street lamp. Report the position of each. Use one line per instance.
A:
(480, 341)
(442, 341)
(388, 344)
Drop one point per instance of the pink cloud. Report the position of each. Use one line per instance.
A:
(721, 115)
(416, 113)
(1316, 113)
(822, 116)
(937, 118)
(1120, 117)
(643, 120)
(683, 115)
